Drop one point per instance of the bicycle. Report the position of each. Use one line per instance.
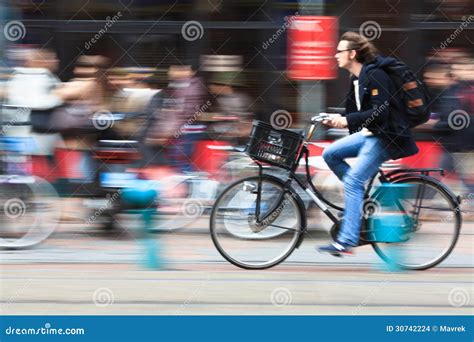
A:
(267, 202)
(29, 205)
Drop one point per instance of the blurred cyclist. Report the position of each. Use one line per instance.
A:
(378, 132)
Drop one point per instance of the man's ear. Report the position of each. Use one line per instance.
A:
(352, 54)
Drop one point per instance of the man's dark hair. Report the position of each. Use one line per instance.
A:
(365, 50)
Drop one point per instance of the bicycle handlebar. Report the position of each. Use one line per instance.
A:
(318, 119)
(324, 116)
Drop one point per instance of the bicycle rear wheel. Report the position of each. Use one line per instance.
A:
(246, 243)
(435, 232)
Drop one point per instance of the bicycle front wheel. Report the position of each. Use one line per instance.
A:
(437, 222)
(237, 233)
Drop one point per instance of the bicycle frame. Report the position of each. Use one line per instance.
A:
(312, 192)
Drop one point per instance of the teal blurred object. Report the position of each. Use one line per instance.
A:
(389, 194)
(391, 223)
(153, 251)
(392, 229)
(389, 227)
(141, 195)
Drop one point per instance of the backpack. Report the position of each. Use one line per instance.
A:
(412, 92)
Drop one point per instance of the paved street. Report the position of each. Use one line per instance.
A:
(84, 271)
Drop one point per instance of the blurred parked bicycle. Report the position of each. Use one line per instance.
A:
(29, 206)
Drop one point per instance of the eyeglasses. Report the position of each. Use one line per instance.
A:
(338, 51)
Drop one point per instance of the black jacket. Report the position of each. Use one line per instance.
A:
(381, 110)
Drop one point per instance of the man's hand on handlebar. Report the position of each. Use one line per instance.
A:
(332, 120)
(337, 122)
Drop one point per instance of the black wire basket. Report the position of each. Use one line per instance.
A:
(276, 147)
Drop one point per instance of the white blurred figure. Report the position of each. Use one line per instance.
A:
(31, 88)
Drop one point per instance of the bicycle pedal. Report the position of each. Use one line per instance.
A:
(341, 255)
(337, 255)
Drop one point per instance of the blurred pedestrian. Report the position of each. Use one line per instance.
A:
(232, 106)
(31, 89)
(178, 105)
(88, 92)
(133, 95)
(454, 130)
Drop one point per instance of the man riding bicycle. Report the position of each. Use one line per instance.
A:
(378, 128)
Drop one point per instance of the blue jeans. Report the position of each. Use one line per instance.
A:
(371, 152)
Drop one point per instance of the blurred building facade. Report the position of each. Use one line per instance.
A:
(149, 33)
